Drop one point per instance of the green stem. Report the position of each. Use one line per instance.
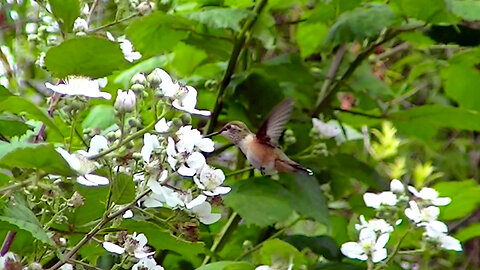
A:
(95, 230)
(259, 245)
(72, 133)
(394, 252)
(47, 225)
(17, 186)
(122, 127)
(239, 171)
(227, 229)
(125, 141)
(237, 47)
(113, 23)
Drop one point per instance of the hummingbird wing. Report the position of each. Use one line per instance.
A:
(272, 128)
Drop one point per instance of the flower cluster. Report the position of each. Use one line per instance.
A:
(422, 210)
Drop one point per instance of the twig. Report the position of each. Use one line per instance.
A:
(360, 113)
(7, 242)
(237, 47)
(227, 228)
(392, 51)
(16, 186)
(96, 229)
(72, 261)
(90, 15)
(113, 23)
(395, 251)
(51, 108)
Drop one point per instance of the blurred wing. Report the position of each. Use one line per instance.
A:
(272, 128)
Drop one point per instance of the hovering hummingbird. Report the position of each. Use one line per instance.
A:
(261, 149)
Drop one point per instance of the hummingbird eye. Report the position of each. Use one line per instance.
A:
(229, 127)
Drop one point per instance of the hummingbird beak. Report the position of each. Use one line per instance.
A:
(212, 134)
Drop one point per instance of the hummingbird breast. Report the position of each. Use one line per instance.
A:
(260, 155)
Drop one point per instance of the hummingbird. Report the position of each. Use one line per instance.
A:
(261, 148)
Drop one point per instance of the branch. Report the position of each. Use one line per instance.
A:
(113, 23)
(237, 47)
(221, 236)
(95, 230)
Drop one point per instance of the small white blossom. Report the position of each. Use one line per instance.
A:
(418, 215)
(367, 246)
(396, 186)
(376, 200)
(325, 129)
(97, 144)
(150, 143)
(189, 139)
(79, 86)
(210, 181)
(184, 162)
(113, 248)
(128, 214)
(162, 194)
(162, 125)
(30, 28)
(204, 213)
(429, 195)
(184, 97)
(127, 48)
(66, 266)
(80, 25)
(134, 245)
(147, 263)
(377, 225)
(125, 101)
(83, 167)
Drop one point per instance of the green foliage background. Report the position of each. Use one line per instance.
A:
(414, 64)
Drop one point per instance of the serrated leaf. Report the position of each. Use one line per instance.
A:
(227, 265)
(310, 36)
(431, 11)
(40, 156)
(259, 201)
(87, 56)
(186, 58)
(466, 9)
(360, 24)
(66, 11)
(157, 33)
(19, 105)
(17, 213)
(218, 17)
(10, 126)
(123, 189)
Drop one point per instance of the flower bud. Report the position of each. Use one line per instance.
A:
(125, 101)
(134, 122)
(137, 88)
(186, 119)
(76, 200)
(35, 266)
(177, 123)
(137, 156)
(289, 137)
(139, 78)
(144, 8)
(154, 80)
(52, 40)
(80, 25)
(396, 186)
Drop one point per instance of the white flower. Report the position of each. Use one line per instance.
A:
(325, 129)
(127, 48)
(162, 125)
(125, 101)
(376, 200)
(80, 25)
(184, 97)
(128, 214)
(83, 167)
(424, 215)
(150, 143)
(377, 225)
(185, 163)
(449, 243)
(138, 243)
(189, 203)
(367, 245)
(189, 138)
(113, 248)
(204, 213)
(79, 86)
(210, 181)
(430, 195)
(97, 144)
(147, 263)
(66, 266)
(162, 194)
(8, 256)
(396, 186)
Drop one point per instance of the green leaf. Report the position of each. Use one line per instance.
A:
(305, 196)
(100, 116)
(422, 121)
(157, 33)
(466, 9)
(92, 209)
(67, 11)
(276, 249)
(143, 66)
(259, 201)
(123, 189)
(321, 245)
(218, 17)
(462, 79)
(227, 265)
(11, 126)
(186, 58)
(464, 197)
(337, 265)
(18, 105)
(310, 36)
(88, 56)
(431, 11)
(469, 232)
(26, 155)
(360, 24)
(17, 213)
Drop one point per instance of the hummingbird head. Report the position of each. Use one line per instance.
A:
(234, 131)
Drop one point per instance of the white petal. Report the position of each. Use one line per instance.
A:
(353, 250)
(146, 152)
(450, 243)
(163, 176)
(379, 255)
(372, 200)
(413, 191)
(206, 145)
(441, 201)
(161, 125)
(196, 202)
(397, 186)
(382, 240)
(111, 247)
(151, 202)
(186, 171)
(128, 214)
(72, 160)
(210, 218)
(196, 160)
(92, 180)
(388, 198)
(97, 144)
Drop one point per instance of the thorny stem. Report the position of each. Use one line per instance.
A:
(96, 229)
(259, 245)
(51, 108)
(221, 235)
(237, 47)
(113, 23)
(125, 141)
(7, 242)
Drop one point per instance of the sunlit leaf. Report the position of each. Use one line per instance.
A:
(66, 11)
(227, 265)
(464, 197)
(123, 189)
(218, 17)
